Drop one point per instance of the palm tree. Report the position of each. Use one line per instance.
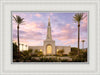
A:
(19, 21)
(22, 47)
(26, 47)
(77, 18)
(83, 43)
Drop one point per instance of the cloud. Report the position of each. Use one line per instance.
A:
(63, 31)
(30, 31)
(85, 20)
(30, 42)
(71, 41)
(84, 26)
(38, 15)
(66, 32)
(32, 26)
(51, 14)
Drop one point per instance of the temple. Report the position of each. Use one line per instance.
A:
(49, 47)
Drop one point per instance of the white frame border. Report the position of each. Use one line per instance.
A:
(57, 1)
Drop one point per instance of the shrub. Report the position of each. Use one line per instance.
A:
(65, 55)
(81, 58)
(38, 53)
(15, 52)
(64, 60)
(60, 52)
(74, 51)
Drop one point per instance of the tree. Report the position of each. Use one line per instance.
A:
(83, 43)
(25, 56)
(22, 47)
(61, 52)
(74, 51)
(30, 51)
(15, 51)
(77, 18)
(38, 53)
(26, 47)
(19, 21)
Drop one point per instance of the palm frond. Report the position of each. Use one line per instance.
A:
(18, 19)
(15, 18)
(78, 17)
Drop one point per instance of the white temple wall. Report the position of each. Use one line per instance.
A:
(67, 49)
(36, 48)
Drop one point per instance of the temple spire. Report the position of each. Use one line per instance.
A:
(49, 21)
(49, 30)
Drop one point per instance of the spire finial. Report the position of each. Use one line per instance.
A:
(49, 21)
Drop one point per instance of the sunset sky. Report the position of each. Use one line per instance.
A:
(64, 29)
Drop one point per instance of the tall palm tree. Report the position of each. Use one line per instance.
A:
(19, 21)
(26, 47)
(77, 18)
(83, 43)
(22, 47)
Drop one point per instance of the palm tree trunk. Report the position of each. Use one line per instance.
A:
(78, 39)
(18, 40)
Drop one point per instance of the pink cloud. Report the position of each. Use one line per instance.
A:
(38, 15)
(66, 32)
(34, 32)
(30, 31)
(67, 25)
(84, 23)
(32, 26)
(23, 15)
(30, 42)
(71, 41)
(51, 14)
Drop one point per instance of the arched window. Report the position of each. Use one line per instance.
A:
(49, 49)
